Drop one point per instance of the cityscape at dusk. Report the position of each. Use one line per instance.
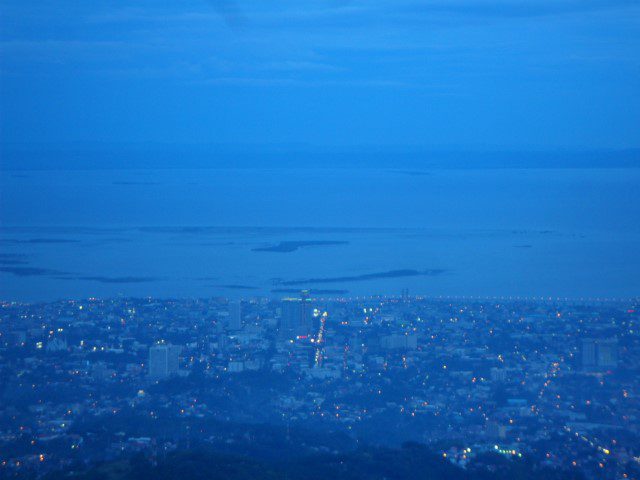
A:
(320, 240)
(543, 387)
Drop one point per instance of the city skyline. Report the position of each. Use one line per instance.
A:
(332, 239)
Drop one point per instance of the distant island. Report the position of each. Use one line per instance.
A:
(14, 241)
(238, 287)
(366, 276)
(312, 291)
(292, 246)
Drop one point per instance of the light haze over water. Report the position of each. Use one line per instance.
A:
(486, 232)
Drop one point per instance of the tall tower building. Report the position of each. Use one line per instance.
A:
(608, 353)
(601, 353)
(235, 315)
(588, 352)
(163, 360)
(297, 315)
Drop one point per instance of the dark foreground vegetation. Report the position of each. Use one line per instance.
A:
(412, 461)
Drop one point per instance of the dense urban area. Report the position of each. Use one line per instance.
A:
(470, 385)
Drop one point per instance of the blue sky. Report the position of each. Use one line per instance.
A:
(524, 74)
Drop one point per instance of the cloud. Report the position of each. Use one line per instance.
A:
(302, 65)
(208, 11)
(103, 279)
(475, 52)
(365, 277)
(16, 241)
(230, 11)
(31, 271)
(13, 259)
(515, 8)
(306, 82)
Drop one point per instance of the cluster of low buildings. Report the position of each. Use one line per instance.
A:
(557, 383)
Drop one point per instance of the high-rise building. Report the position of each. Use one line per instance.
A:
(588, 352)
(163, 360)
(601, 353)
(608, 353)
(405, 295)
(235, 316)
(498, 374)
(297, 316)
